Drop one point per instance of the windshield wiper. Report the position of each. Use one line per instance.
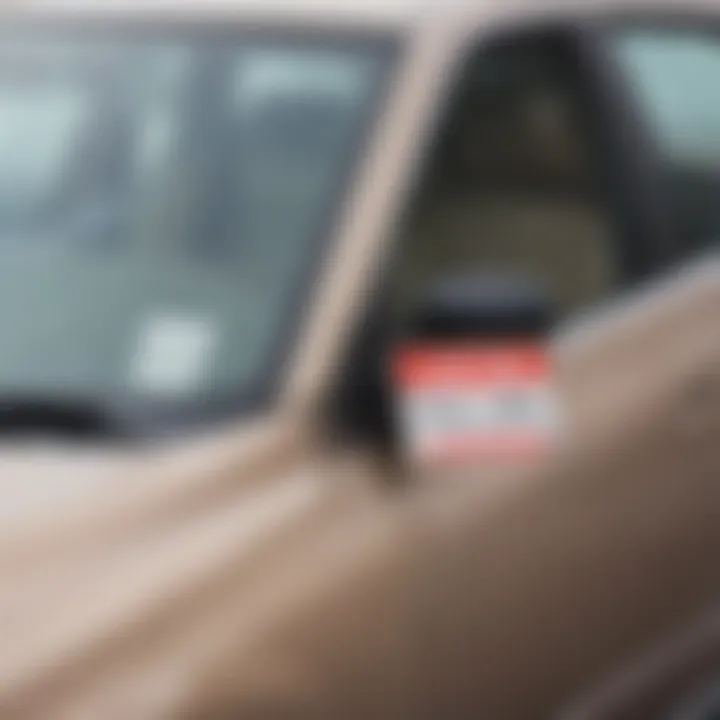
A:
(77, 420)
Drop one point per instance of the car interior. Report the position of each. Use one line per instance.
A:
(513, 184)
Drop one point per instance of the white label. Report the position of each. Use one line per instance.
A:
(173, 354)
(529, 409)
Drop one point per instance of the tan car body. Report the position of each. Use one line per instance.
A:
(265, 572)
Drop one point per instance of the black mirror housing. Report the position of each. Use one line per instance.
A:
(483, 307)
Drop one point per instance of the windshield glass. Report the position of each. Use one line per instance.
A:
(160, 203)
(672, 73)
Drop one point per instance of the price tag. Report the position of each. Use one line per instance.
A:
(475, 404)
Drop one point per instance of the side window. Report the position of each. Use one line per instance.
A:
(671, 74)
(513, 183)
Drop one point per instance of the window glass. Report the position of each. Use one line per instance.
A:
(673, 73)
(513, 187)
(161, 202)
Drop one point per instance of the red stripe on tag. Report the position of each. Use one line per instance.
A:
(477, 365)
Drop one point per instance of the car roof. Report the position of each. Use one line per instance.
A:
(389, 13)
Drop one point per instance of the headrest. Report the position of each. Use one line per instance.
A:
(518, 136)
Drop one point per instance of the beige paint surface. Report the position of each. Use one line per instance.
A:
(263, 573)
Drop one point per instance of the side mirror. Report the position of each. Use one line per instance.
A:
(470, 309)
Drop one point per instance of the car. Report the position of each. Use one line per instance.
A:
(359, 359)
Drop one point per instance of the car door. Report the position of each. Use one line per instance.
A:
(611, 545)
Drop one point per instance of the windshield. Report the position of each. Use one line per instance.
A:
(161, 201)
(672, 73)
